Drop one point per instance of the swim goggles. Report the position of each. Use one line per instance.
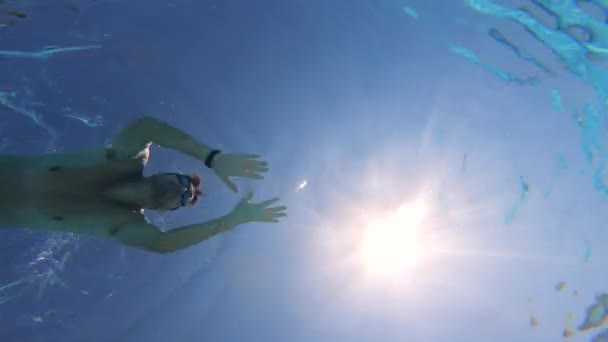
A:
(187, 195)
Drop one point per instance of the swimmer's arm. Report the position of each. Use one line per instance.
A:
(139, 134)
(148, 237)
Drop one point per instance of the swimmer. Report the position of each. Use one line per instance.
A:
(104, 192)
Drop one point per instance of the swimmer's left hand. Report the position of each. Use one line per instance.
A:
(226, 166)
(245, 211)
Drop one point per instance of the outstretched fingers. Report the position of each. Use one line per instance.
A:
(259, 168)
(254, 161)
(277, 209)
(267, 203)
(254, 170)
(273, 214)
(252, 175)
(255, 167)
(262, 211)
(249, 156)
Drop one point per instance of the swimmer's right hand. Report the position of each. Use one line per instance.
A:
(227, 166)
(246, 211)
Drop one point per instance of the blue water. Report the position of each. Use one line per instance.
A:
(493, 113)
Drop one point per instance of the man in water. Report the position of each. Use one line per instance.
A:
(103, 192)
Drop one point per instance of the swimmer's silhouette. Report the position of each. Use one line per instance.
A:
(103, 192)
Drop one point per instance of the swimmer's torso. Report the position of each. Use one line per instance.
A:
(62, 192)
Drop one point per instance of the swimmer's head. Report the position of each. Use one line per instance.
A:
(171, 191)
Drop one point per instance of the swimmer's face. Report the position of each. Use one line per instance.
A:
(171, 191)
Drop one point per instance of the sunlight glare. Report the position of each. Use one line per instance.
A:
(392, 244)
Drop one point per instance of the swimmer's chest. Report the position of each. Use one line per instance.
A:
(62, 193)
(75, 173)
(93, 216)
(84, 178)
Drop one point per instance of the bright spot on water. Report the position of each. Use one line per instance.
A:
(302, 185)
